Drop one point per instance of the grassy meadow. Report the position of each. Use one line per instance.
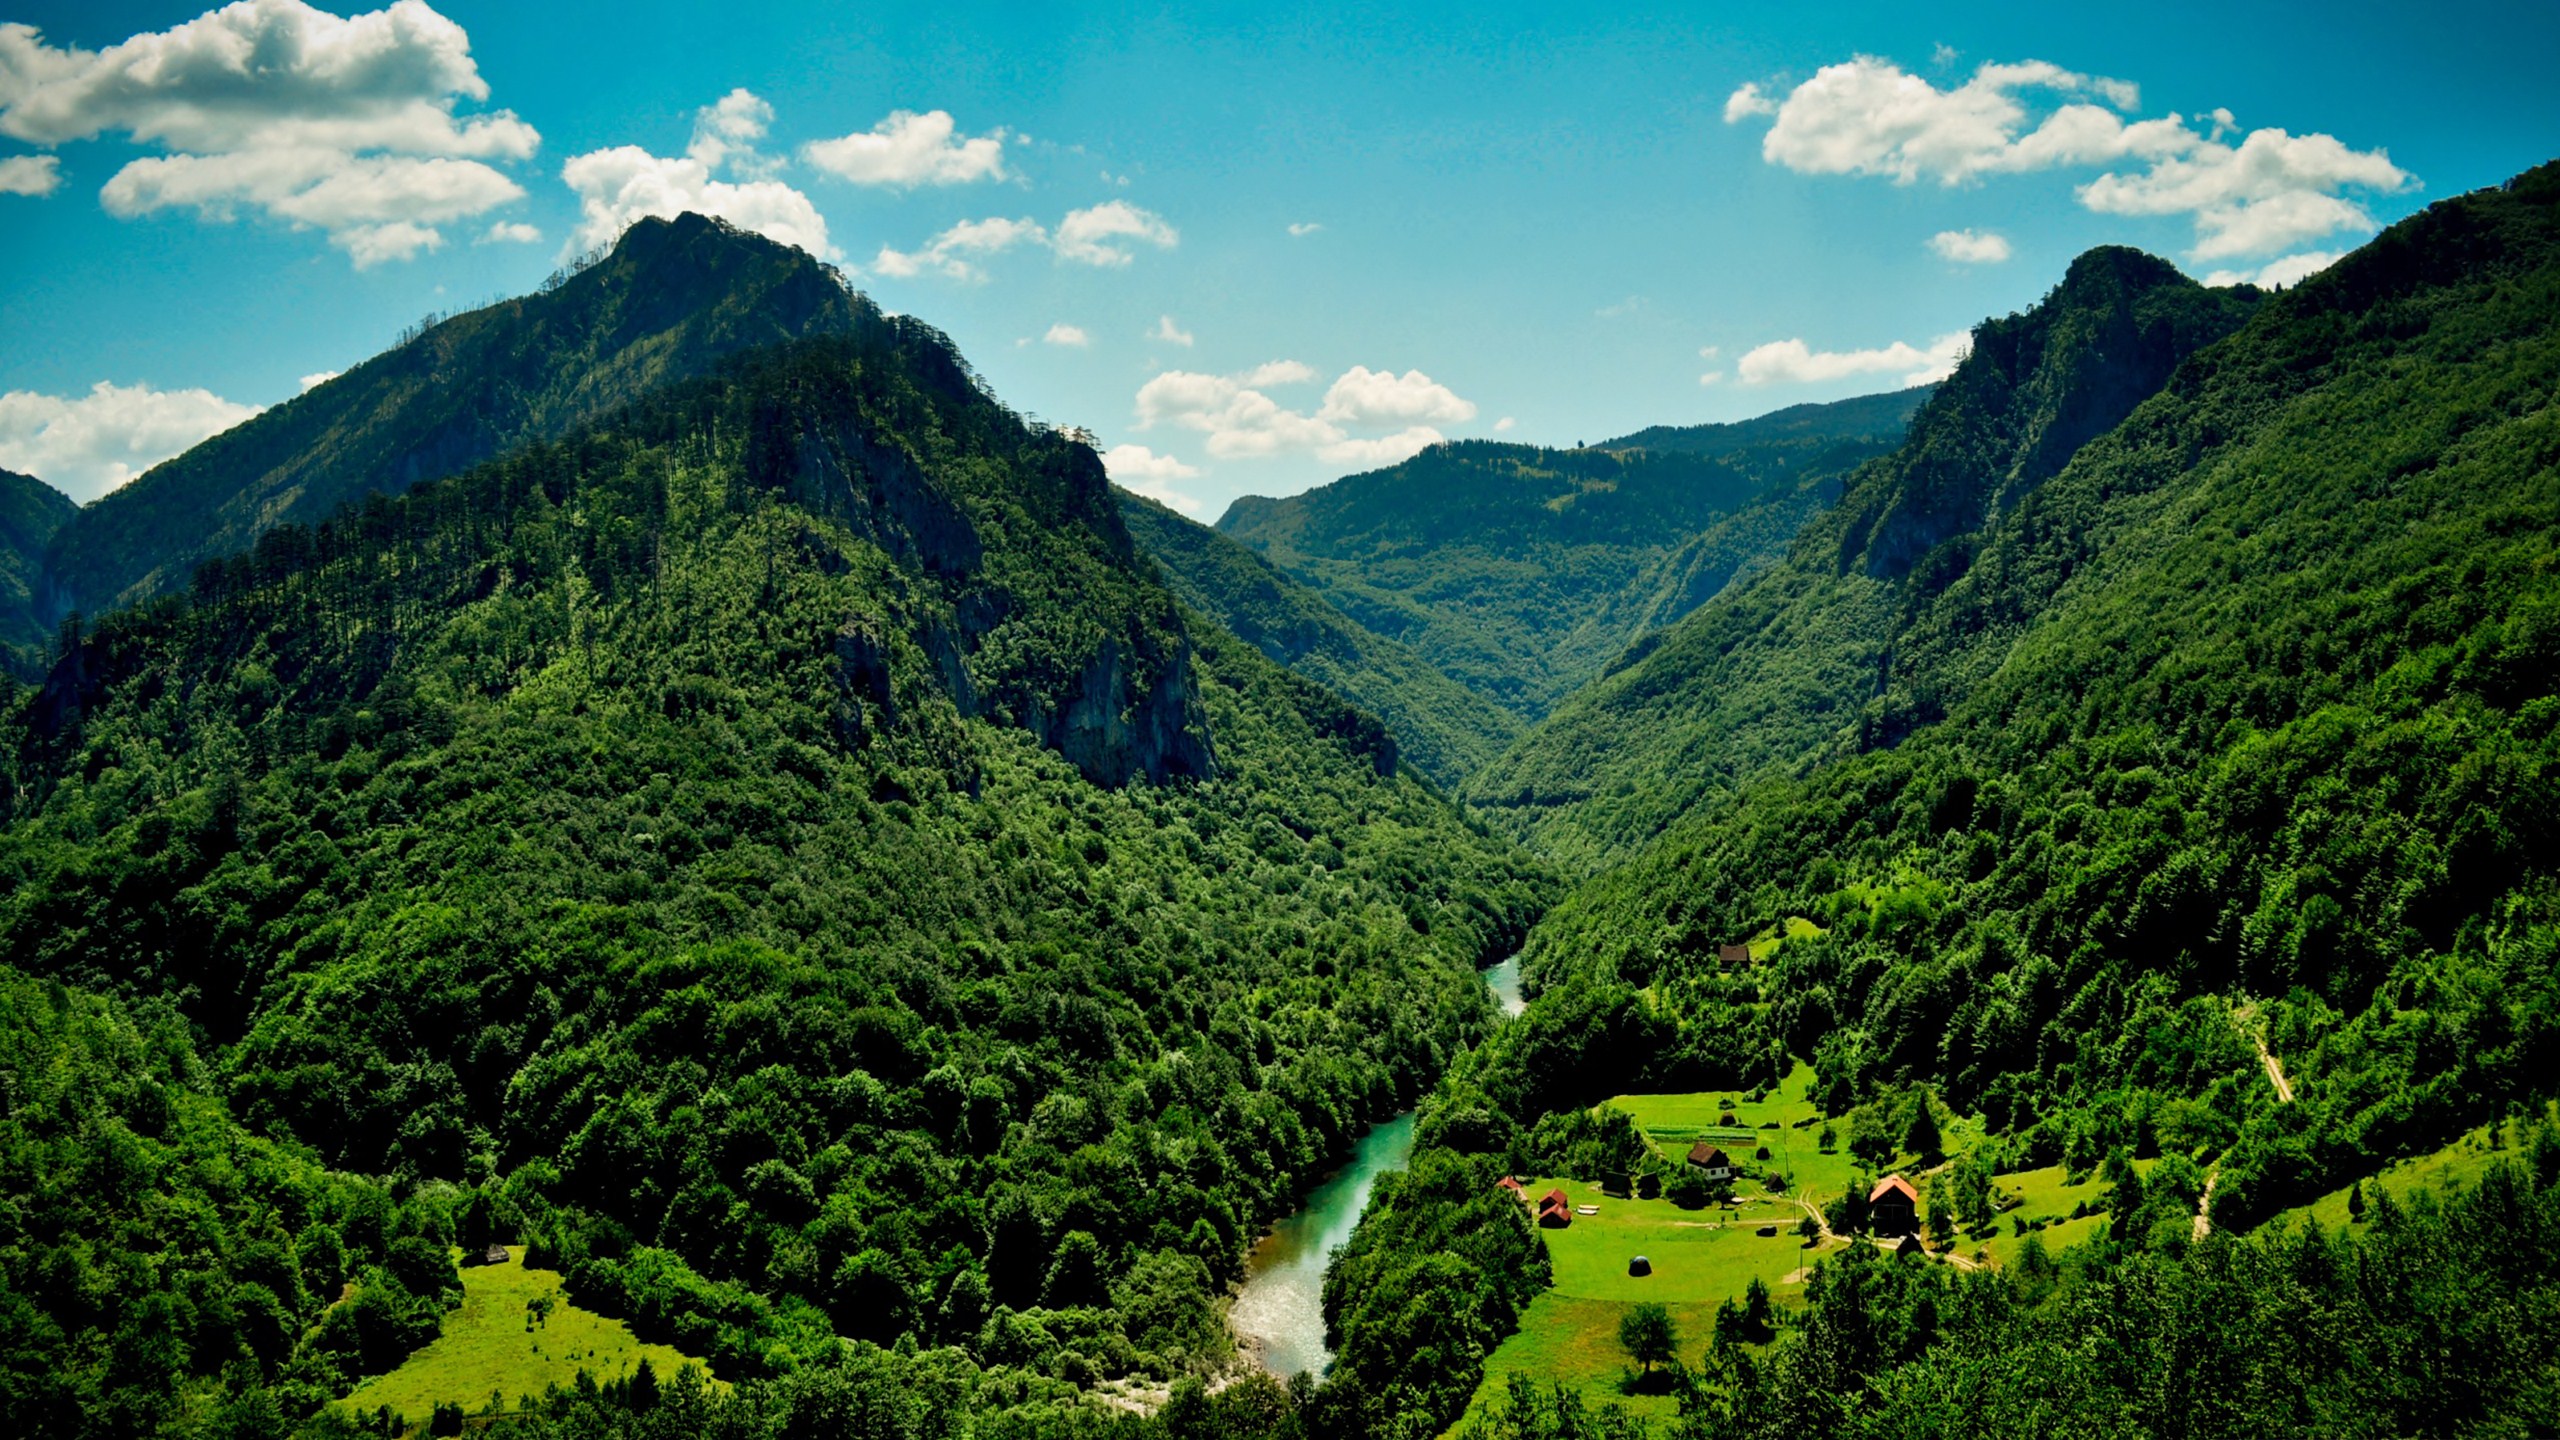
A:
(492, 1343)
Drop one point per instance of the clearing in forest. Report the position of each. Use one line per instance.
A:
(495, 1342)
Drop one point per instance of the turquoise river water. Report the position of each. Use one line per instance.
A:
(1279, 1314)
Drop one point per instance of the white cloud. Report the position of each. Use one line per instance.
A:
(343, 124)
(2272, 190)
(90, 444)
(1967, 247)
(1142, 471)
(1068, 335)
(1503, 425)
(625, 183)
(1746, 102)
(1385, 450)
(1240, 420)
(317, 379)
(2290, 270)
(949, 253)
(1170, 333)
(511, 232)
(1090, 235)
(30, 175)
(1363, 396)
(1711, 377)
(1304, 228)
(908, 149)
(1792, 362)
(1084, 236)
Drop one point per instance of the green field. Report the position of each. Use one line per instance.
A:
(1700, 1258)
(2456, 1166)
(488, 1346)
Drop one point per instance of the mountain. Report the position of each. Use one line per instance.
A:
(1860, 418)
(1520, 572)
(2180, 814)
(778, 849)
(30, 512)
(670, 299)
(1781, 669)
(1443, 728)
(2254, 697)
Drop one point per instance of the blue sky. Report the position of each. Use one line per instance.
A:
(1251, 248)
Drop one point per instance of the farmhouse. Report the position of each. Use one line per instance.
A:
(1711, 1161)
(1893, 1207)
(1554, 1211)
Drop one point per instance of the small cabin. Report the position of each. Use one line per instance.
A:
(1554, 1211)
(1734, 957)
(1711, 1160)
(1513, 1185)
(494, 1255)
(1893, 1207)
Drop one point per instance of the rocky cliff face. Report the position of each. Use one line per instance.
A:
(2036, 387)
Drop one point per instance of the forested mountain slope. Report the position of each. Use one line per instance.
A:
(1776, 670)
(2255, 697)
(1861, 417)
(1443, 728)
(778, 850)
(2241, 730)
(1521, 572)
(670, 300)
(30, 511)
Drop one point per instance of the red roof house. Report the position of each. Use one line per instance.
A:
(1554, 1210)
(1893, 1207)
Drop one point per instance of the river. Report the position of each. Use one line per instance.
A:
(1279, 1313)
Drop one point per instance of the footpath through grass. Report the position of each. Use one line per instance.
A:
(493, 1343)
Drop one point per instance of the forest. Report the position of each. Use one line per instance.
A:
(775, 838)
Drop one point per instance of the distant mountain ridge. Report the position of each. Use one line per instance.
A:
(669, 300)
(1444, 729)
(30, 512)
(1521, 571)
(1779, 669)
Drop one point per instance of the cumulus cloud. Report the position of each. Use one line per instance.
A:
(2290, 270)
(1090, 237)
(318, 378)
(1792, 362)
(1142, 471)
(347, 125)
(1363, 396)
(2270, 191)
(87, 445)
(1170, 333)
(1966, 247)
(953, 253)
(511, 232)
(625, 183)
(1241, 420)
(1504, 424)
(37, 175)
(1094, 236)
(1072, 336)
(908, 149)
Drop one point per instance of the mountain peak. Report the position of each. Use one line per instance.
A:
(667, 302)
(2035, 387)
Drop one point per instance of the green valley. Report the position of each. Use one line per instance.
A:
(659, 861)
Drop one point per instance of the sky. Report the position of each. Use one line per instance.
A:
(1250, 248)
